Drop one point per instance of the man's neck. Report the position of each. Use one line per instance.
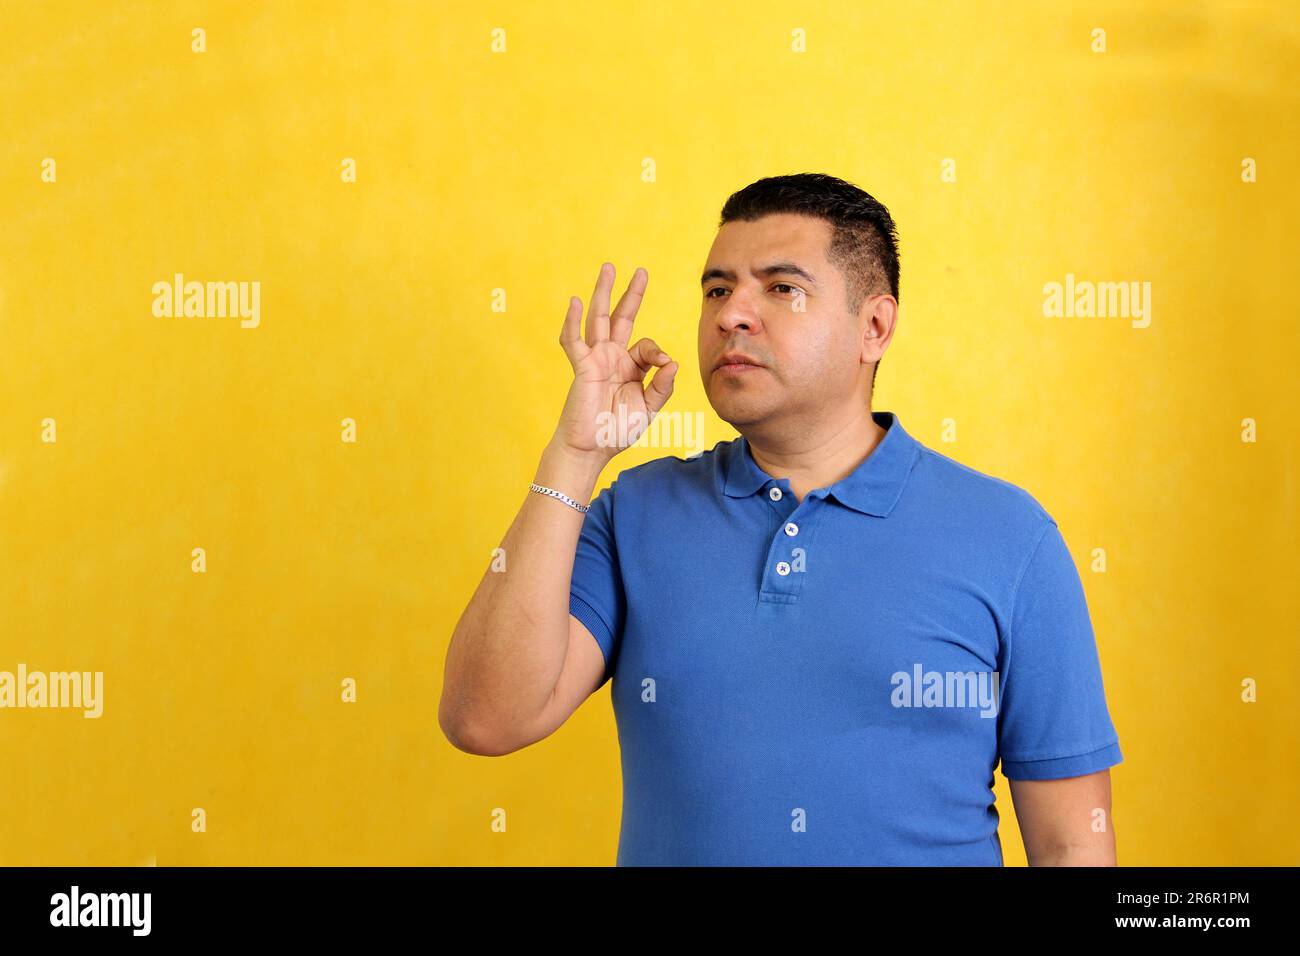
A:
(819, 456)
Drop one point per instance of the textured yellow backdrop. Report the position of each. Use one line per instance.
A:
(521, 171)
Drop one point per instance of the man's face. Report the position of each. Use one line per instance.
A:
(811, 360)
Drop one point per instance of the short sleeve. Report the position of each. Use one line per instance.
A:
(1053, 720)
(596, 594)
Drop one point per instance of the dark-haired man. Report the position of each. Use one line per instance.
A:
(823, 636)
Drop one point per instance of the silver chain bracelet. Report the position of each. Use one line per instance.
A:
(541, 490)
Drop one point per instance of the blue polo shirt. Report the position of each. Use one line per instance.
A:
(834, 681)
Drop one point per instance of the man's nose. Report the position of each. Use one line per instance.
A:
(737, 314)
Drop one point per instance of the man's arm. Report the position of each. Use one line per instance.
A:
(519, 663)
(1066, 822)
(515, 642)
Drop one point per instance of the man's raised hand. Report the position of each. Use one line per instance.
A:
(607, 375)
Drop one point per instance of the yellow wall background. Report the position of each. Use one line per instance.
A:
(522, 170)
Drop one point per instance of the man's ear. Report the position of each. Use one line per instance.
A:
(885, 307)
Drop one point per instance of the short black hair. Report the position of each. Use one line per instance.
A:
(864, 242)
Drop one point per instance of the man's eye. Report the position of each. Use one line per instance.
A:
(780, 285)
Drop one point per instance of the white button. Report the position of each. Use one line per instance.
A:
(775, 493)
(783, 569)
(792, 529)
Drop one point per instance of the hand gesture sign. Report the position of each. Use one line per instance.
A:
(607, 375)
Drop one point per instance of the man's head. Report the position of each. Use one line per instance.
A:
(802, 278)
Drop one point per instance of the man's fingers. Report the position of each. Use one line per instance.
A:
(571, 331)
(646, 354)
(620, 328)
(660, 388)
(598, 313)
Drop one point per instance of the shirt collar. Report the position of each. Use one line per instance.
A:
(873, 488)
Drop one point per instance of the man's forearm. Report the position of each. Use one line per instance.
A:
(1094, 855)
(507, 652)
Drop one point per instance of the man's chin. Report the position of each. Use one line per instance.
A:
(740, 413)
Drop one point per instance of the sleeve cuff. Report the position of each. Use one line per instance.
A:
(592, 620)
(1054, 768)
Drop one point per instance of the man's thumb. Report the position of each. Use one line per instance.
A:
(660, 387)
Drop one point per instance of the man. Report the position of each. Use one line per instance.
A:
(823, 635)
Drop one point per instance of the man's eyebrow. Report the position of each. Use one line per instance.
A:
(776, 268)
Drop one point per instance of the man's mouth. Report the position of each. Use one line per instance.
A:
(736, 362)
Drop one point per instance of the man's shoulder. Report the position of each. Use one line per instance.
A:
(993, 500)
(670, 474)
